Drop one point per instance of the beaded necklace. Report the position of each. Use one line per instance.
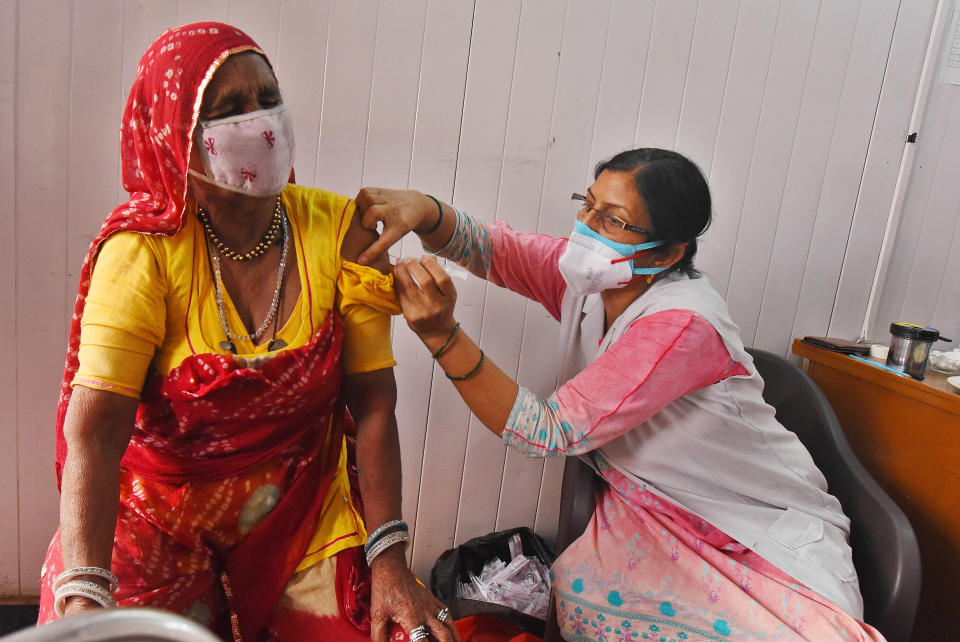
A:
(269, 237)
(272, 315)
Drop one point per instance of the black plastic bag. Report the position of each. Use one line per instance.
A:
(456, 564)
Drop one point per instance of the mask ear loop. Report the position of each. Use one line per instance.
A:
(631, 257)
(636, 277)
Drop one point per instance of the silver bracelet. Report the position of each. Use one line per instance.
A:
(372, 537)
(386, 542)
(83, 588)
(77, 571)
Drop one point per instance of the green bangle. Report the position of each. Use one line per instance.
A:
(472, 372)
(435, 226)
(447, 342)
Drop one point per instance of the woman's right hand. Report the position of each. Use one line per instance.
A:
(427, 297)
(400, 211)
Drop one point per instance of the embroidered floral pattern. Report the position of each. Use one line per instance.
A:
(470, 245)
(582, 622)
(534, 427)
(659, 573)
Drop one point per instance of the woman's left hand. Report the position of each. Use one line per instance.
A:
(397, 596)
(427, 297)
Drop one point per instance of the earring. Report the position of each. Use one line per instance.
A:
(649, 279)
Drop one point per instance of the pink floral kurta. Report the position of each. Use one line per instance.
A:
(644, 569)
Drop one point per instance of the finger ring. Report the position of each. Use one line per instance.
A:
(443, 615)
(419, 633)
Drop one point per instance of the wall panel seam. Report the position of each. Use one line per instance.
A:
(940, 286)
(753, 153)
(863, 171)
(323, 97)
(793, 145)
(472, 420)
(453, 192)
(373, 79)
(833, 136)
(646, 61)
(723, 96)
(16, 281)
(543, 187)
(416, 113)
(954, 103)
(686, 72)
(603, 66)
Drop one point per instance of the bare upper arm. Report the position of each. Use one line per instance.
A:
(356, 240)
(370, 392)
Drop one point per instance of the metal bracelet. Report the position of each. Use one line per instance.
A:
(83, 588)
(386, 542)
(77, 571)
(382, 529)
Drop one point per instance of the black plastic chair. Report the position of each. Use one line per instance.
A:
(885, 551)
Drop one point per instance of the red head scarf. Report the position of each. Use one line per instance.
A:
(156, 136)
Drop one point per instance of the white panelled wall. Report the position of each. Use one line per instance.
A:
(922, 282)
(796, 110)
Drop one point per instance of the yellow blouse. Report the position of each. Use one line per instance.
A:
(151, 304)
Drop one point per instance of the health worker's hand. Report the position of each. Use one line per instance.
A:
(400, 210)
(427, 296)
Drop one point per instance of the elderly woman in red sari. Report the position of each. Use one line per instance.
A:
(223, 345)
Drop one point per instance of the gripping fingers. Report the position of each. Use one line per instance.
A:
(440, 277)
(407, 289)
(379, 247)
(423, 278)
(368, 197)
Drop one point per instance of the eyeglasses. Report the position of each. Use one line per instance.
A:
(608, 222)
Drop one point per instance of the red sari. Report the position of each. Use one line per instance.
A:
(190, 537)
(204, 432)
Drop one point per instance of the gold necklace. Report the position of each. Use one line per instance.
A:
(272, 315)
(269, 238)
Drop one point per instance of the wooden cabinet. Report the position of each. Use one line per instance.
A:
(907, 434)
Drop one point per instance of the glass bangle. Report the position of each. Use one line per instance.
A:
(472, 372)
(435, 226)
(447, 342)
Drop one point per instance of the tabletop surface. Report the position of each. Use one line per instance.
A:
(934, 388)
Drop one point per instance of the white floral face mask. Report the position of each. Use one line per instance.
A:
(250, 153)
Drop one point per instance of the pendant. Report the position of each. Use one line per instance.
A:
(228, 346)
(276, 344)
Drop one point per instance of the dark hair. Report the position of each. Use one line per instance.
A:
(675, 193)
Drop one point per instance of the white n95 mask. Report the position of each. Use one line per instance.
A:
(592, 263)
(250, 153)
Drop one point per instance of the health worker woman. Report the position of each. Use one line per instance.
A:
(713, 521)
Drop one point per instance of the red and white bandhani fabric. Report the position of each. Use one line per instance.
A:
(155, 142)
(228, 466)
(206, 434)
